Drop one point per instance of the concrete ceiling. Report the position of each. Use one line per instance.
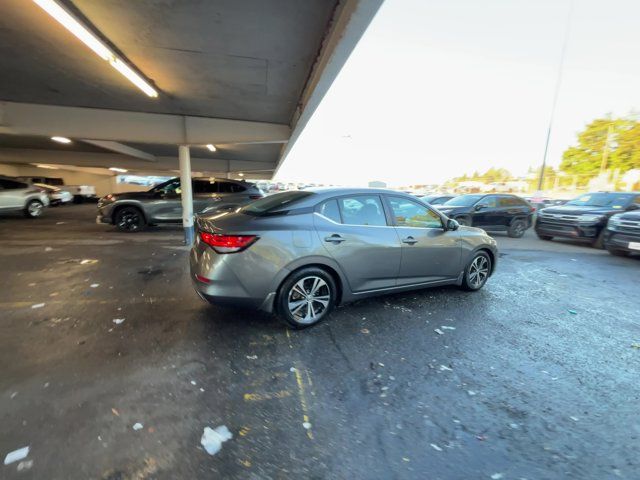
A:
(258, 61)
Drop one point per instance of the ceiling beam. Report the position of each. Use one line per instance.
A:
(121, 148)
(350, 20)
(125, 126)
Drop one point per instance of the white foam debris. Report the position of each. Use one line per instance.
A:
(118, 321)
(94, 285)
(306, 425)
(193, 382)
(37, 305)
(138, 426)
(212, 439)
(447, 327)
(436, 447)
(438, 331)
(16, 455)
(252, 357)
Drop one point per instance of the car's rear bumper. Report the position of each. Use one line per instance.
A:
(215, 281)
(621, 241)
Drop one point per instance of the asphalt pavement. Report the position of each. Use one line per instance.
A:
(534, 377)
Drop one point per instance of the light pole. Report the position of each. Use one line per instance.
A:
(563, 52)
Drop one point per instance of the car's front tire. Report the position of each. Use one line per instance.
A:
(477, 271)
(129, 219)
(306, 297)
(517, 228)
(33, 209)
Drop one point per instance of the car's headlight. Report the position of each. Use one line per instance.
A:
(590, 218)
(615, 220)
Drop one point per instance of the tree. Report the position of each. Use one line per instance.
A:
(620, 136)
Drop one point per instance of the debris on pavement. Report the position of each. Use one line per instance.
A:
(575, 419)
(118, 321)
(115, 412)
(447, 327)
(365, 331)
(26, 465)
(48, 249)
(16, 455)
(94, 285)
(194, 383)
(438, 331)
(138, 426)
(88, 261)
(37, 305)
(436, 447)
(635, 345)
(212, 439)
(471, 393)
(573, 312)
(444, 368)
(497, 476)
(306, 425)
(252, 357)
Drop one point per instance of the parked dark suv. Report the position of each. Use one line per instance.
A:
(622, 235)
(131, 211)
(584, 217)
(493, 212)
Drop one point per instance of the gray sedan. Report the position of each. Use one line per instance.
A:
(301, 253)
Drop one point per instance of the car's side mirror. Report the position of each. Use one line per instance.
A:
(452, 224)
(480, 207)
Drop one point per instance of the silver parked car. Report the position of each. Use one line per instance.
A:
(57, 196)
(16, 196)
(300, 253)
(132, 211)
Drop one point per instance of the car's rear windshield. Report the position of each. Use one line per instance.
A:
(463, 201)
(274, 203)
(613, 200)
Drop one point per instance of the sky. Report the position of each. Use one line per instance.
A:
(438, 88)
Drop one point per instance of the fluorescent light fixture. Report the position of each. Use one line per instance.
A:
(40, 165)
(119, 170)
(61, 139)
(211, 147)
(68, 21)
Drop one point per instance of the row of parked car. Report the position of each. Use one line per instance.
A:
(608, 220)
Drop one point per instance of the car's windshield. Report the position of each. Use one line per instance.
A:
(274, 202)
(463, 201)
(613, 200)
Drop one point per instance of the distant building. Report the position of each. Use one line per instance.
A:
(377, 184)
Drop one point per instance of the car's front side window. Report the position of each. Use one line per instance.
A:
(362, 210)
(411, 214)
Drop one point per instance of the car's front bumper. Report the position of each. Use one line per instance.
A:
(621, 241)
(104, 214)
(569, 229)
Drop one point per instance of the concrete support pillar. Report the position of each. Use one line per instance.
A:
(184, 158)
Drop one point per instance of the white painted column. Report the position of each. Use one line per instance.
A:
(184, 158)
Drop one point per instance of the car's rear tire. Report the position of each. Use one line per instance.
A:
(130, 219)
(306, 297)
(517, 228)
(33, 209)
(465, 221)
(618, 253)
(546, 238)
(477, 271)
(599, 241)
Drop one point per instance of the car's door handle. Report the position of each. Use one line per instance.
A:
(335, 238)
(409, 240)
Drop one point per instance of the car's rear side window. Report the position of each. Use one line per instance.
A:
(205, 186)
(228, 187)
(11, 185)
(362, 210)
(330, 210)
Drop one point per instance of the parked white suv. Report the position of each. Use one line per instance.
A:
(18, 196)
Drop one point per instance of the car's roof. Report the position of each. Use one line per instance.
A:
(328, 191)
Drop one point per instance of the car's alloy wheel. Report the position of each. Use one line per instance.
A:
(34, 209)
(308, 300)
(517, 229)
(477, 272)
(306, 297)
(129, 220)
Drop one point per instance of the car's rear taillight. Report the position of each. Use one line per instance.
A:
(255, 197)
(227, 243)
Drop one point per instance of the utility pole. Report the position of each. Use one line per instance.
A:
(563, 52)
(605, 150)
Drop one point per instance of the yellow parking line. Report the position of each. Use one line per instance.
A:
(259, 397)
